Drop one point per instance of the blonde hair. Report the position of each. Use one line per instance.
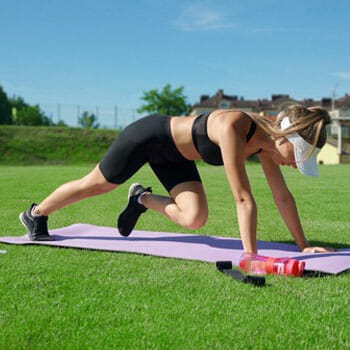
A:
(309, 122)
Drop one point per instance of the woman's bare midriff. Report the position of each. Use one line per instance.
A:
(181, 131)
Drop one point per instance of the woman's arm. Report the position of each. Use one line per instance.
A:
(286, 205)
(232, 146)
(284, 201)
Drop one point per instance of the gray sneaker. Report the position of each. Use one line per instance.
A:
(35, 225)
(129, 216)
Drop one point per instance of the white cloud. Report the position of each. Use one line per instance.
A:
(201, 18)
(342, 75)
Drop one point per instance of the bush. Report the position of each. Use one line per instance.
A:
(5, 108)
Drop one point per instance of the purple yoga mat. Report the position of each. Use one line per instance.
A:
(182, 246)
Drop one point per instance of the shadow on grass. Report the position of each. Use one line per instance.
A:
(316, 274)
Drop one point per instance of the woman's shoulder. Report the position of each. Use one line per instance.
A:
(230, 117)
(229, 113)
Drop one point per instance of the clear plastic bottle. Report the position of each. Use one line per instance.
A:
(264, 265)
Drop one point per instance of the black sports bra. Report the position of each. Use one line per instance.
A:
(209, 151)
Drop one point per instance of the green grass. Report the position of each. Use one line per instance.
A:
(75, 299)
(29, 145)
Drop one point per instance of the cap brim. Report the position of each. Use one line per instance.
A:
(308, 167)
(306, 164)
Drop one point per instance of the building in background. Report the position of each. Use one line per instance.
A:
(269, 107)
(337, 149)
(331, 154)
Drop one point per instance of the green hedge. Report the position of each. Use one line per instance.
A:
(28, 145)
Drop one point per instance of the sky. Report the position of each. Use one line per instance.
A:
(108, 52)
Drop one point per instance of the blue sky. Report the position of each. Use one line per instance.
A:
(108, 52)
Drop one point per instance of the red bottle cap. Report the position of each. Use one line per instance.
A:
(301, 267)
(242, 263)
(295, 268)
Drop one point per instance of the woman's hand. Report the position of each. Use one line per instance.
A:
(318, 250)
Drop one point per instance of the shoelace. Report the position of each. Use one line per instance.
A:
(148, 189)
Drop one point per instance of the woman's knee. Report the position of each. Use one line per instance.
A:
(195, 220)
(191, 201)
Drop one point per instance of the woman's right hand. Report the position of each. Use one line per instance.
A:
(318, 250)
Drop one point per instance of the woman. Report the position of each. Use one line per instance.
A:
(171, 144)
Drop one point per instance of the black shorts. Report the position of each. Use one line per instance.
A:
(148, 140)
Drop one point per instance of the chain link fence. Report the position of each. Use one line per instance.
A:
(108, 117)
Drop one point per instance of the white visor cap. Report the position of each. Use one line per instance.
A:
(305, 161)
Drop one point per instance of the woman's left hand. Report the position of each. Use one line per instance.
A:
(318, 250)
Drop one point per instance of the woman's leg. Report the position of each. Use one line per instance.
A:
(123, 158)
(186, 206)
(90, 185)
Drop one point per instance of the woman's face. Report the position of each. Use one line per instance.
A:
(284, 153)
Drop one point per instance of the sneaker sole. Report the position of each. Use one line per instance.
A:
(21, 219)
(131, 189)
(129, 195)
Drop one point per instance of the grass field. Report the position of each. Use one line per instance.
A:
(33, 145)
(54, 298)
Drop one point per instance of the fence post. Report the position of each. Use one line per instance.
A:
(340, 148)
(116, 117)
(78, 114)
(58, 112)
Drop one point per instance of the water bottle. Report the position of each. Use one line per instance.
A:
(264, 265)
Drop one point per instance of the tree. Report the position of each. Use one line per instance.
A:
(29, 115)
(167, 101)
(25, 114)
(61, 123)
(18, 102)
(88, 120)
(5, 108)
